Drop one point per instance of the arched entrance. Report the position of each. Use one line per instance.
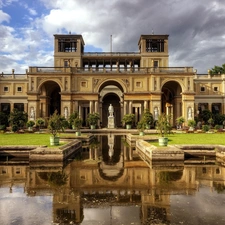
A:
(171, 99)
(50, 98)
(111, 92)
(113, 99)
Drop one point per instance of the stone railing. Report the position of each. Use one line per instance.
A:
(143, 70)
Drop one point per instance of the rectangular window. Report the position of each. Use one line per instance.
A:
(215, 89)
(6, 89)
(202, 89)
(155, 45)
(18, 171)
(5, 107)
(19, 89)
(19, 106)
(156, 64)
(83, 84)
(3, 171)
(67, 45)
(66, 63)
(138, 84)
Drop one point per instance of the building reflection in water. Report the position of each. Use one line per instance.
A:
(109, 182)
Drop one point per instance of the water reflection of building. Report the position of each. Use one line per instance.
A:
(148, 188)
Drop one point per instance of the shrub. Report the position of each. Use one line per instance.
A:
(205, 128)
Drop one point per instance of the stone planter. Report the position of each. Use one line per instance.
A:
(78, 133)
(163, 141)
(54, 141)
(128, 126)
(93, 127)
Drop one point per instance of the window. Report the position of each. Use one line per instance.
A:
(3, 171)
(66, 63)
(138, 84)
(83, 84)
(19, 89)
(156, 64)
(6, 89)
(215, 89)
(217, 171)
(18, 171)
(67, 45)
(19, 106)
(155, 45)
(202, 89)
(5, 107)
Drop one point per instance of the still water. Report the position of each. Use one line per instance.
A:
(108, 183)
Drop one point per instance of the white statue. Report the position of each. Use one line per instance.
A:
(189, 113)
(156, 113)
(111, 110)
(32, 113)
(66, 112)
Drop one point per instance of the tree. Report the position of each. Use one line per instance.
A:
(163, 125)
(17, 119)
(40, 122)
(180, 120)
(56, 123)
(148, 118)
(206, 115)
(218, 70)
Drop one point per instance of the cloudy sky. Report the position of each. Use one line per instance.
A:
(196, 29)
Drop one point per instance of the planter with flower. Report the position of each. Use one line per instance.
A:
(148, 119)
(77, 123)
(128, 120)
(164, 128)
(93, 119)
(30, 125)
(141, 127)
(55, 124)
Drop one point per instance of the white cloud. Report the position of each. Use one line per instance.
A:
(196, 29)
(6, 2)
(4, 17)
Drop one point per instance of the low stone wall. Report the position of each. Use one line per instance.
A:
(55, 154)
(131, 138)
(220, 153)
(151, 152)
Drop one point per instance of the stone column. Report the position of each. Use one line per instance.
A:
(210, 106)
(158, 83)
(136, 113)
(130, 107)
(145, 104)
(125, 108)
(80, 110)
(91, 106)
(96, 107)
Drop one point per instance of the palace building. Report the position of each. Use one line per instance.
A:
(131, 81)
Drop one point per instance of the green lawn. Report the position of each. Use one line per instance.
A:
(24, 139)
(43, 139)
(202, 138)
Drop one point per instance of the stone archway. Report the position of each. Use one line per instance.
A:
(113, 99)
(50, 98)
(111, 92)
(171, 99)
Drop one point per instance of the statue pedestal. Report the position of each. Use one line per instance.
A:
(111, 122)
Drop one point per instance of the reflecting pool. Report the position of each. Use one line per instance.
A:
(108, 183)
